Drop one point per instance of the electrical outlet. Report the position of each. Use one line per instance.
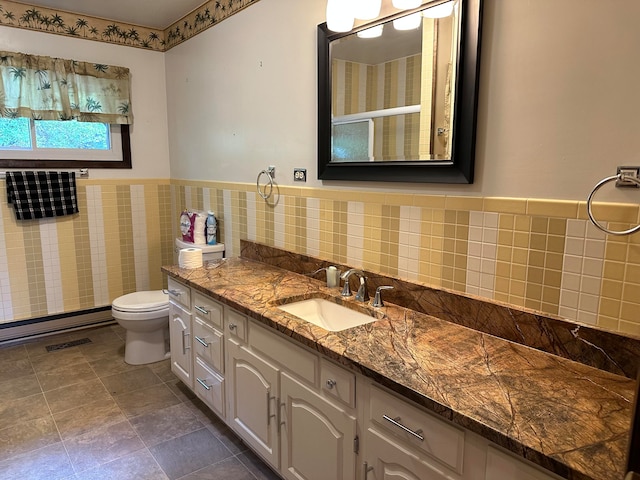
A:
(299, 174)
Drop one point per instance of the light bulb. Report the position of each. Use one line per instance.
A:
(408, 22)
(340, 15)
(372, 32)
(406, 4)
(366, 9)
(439, 11)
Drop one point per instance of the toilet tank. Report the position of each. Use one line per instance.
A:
(209, 252)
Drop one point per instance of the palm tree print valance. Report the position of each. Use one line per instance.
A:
(47, 88)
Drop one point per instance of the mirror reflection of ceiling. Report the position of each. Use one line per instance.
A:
(392, 44)
(158, 14)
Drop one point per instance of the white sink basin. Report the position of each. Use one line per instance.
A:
(327, 314)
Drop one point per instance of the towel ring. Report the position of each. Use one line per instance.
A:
(269, 174)
(621, 177)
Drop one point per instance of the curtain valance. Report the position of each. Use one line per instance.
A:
(47, 88)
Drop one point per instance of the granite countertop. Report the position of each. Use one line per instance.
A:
(568, 417)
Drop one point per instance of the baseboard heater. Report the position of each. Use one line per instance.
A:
(37, 327)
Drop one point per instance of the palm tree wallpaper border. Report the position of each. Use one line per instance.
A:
(30, 17)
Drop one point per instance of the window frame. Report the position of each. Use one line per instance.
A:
(125, 163)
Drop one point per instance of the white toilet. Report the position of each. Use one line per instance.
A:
(145, 317)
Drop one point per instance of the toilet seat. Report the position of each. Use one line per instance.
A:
(142, 302)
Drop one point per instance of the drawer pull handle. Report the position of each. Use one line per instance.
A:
(396, 422)
(331, 383)
(202, 342)
(232, 326)
(269, 414)
(203, 383)
(367, 469)
(185, 347)
(202, 310)
(175, 293)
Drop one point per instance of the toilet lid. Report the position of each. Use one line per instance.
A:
(142, 301)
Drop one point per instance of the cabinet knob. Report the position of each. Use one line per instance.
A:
(331, 383)
(232, 326)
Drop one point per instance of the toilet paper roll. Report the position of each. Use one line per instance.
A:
(190, 257)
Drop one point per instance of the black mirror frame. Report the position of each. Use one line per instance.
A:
(460, 168)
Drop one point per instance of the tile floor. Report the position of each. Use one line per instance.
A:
(83, 413)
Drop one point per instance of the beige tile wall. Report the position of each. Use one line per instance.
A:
(539, 254)
(115, 245)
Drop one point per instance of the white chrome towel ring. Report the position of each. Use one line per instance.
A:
(270, 172)
(620, 177)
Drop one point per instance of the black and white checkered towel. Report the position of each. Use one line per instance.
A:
(42, 194)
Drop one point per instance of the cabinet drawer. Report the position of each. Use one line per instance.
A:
(296, 360)
(236, 324)
(209, 386)
(207, 343)
(501, 465)
(388, 459)
(430, 436)
(179, 293)
(207, 309)
(338, 383)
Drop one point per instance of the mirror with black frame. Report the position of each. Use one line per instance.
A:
(397, 98)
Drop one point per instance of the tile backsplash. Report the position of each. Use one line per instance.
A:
(542, 255)
(591, 346)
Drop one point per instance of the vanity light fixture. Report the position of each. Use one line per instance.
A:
(366, 9)
(340, 17)
(372, 32)
(409, 22)
(440, 11)
(406, 4)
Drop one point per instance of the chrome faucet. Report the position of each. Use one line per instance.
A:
(377, 299)
(362, 295)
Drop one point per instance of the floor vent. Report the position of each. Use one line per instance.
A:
(74, 343)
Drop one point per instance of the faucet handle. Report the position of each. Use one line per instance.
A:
(377, 300)
(363, 294)
(346, 290)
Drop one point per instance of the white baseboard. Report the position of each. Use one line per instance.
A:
(58, 325)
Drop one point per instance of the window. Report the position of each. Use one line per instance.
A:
(26, 143)
(56, 92)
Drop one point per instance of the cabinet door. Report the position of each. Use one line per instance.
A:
(252, 402)
(317, 436)
(387, 459)
(180, 338)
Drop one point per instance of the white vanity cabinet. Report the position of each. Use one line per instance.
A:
(318, 437)
(252, 402)
(501, 465)
(404, 442)
(208, 352)
(275, 404)
(180, 331)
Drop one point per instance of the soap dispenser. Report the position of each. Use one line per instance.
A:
(333, 277)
